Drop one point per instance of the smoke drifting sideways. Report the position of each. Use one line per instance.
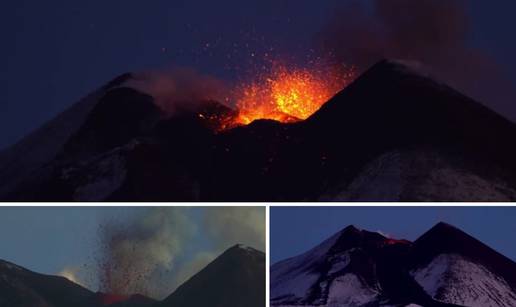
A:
(179, 89)
(435, 33)
(155, 251)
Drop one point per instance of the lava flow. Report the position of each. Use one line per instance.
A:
(289, 94)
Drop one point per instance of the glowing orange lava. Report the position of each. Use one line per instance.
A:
(289, 94)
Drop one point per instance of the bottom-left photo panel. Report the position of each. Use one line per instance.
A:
(132, 256)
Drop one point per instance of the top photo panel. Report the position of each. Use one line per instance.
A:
(263, 101)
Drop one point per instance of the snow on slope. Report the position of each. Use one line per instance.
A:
(349, 290)
(346, 290)
(101, 176)
(452, 279)
(293, 277)
(320, 277)
(419, 175)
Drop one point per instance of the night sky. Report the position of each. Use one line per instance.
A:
(55, 52)
(295, 230)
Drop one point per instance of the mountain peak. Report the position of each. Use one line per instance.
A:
(350, 229)
(242, 248)
(406, 66)
(444, 231)
(245, 248)
(240, 266)
(445, 226)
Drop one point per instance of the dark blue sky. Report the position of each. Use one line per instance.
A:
(55, 51)
(294, 230)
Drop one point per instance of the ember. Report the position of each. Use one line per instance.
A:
(109, 299)
(288, 94)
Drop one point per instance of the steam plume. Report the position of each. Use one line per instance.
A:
(71, 273)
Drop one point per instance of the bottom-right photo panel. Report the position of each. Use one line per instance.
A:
(392, 256)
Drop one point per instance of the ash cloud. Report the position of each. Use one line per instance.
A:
(155, 252)
(433, 32)
(132, 251)
(229, 225)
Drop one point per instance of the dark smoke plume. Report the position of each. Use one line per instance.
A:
(432, 32)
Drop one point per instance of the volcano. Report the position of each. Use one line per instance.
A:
(234, 279)
(393, 134)
(354, 267)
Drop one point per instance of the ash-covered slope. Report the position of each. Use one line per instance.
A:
(235, 279)
(445, 267)
(394, 134)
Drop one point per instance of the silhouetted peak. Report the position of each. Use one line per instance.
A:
(352, 236)
(350, 229)
(444, 230)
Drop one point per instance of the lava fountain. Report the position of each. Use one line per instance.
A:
(287, 93)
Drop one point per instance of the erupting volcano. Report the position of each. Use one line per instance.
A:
(315, 133)
(286, 93)
(236, 278)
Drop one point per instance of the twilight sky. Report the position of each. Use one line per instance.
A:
(57, 51)
(294, 230)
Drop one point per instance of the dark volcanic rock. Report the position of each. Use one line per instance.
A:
(22, 288)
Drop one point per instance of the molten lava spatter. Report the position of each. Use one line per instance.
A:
(109, 299)
(288, 94)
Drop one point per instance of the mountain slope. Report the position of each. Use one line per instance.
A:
(455, 267)
(22, 288)
(41, 146)
(444, 267)
(236, 279)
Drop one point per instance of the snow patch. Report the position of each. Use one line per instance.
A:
(349, 290)
(292, 278)
(339, 262)
(419, 175)
(450, 278)
(246, 248)
(107, 175)
(380, 180)
(410, 67)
